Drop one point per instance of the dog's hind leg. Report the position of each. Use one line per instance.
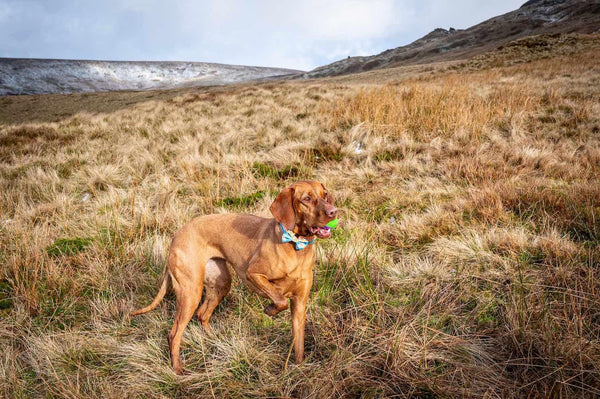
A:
(217, 283)
(187, 278)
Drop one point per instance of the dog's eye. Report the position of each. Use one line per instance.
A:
(307, 199)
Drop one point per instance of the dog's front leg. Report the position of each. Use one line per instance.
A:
(261, 282)
(298, 321)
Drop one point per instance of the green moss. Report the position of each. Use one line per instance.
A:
(5, 295)
(260, 169)
(68, 246)
(243, 201)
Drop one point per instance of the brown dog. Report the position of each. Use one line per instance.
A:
(257, 249)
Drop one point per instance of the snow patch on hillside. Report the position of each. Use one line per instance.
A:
(37, 76)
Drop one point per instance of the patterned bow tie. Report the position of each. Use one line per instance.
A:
(288, 236)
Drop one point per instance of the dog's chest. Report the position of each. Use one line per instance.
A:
(292, 275)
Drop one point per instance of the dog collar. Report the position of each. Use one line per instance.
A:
(289, 236)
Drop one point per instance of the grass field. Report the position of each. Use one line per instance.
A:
(466, 264)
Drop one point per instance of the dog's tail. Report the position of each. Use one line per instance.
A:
(161, 294)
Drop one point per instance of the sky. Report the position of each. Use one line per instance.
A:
(279, 33)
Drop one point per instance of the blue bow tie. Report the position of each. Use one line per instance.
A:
(288, 236)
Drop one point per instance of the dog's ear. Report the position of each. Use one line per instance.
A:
(329, 196)
(283, 208)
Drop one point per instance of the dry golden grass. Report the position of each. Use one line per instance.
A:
(466, 264)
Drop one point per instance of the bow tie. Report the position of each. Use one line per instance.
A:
(288, 236)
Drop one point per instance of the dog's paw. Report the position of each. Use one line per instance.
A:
(276, 307)
(181, 371)
(271, 310)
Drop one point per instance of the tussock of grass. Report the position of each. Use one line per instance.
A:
(465, 263)
(427, 111)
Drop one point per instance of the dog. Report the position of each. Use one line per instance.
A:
(273, 257)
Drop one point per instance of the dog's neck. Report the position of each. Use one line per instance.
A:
(292, 236)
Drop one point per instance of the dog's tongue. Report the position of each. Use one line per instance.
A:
(323, 232)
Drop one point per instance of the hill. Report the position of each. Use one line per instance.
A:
(39, 76)
(535, 17)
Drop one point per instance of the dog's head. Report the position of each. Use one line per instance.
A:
(305, 207)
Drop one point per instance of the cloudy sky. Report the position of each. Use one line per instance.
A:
(284, 33)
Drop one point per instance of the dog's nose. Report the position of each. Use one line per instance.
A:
(331, 212)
